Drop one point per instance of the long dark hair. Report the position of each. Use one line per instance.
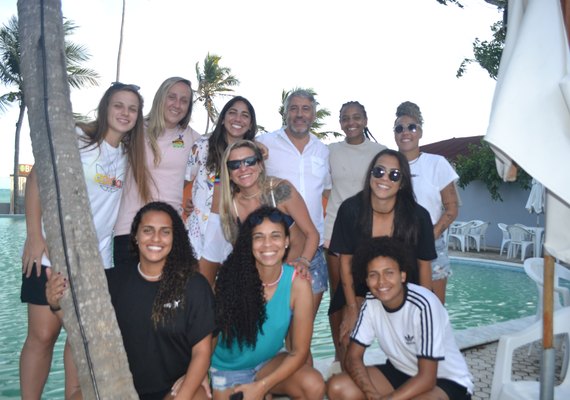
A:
(180, 263)
(406, 225)
(217, 142)
(240, 301)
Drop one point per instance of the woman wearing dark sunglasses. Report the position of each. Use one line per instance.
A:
(385, 207)
(434, 187)
(244, 188)
(260, 300)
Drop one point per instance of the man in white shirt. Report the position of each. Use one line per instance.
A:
(298, 156)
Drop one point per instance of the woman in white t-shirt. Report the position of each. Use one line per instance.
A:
(169, 141)
(433, 179)
(105, 145)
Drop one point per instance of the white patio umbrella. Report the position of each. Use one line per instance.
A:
(536, 199)
(530, 126)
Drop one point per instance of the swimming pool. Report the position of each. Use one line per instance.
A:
(508, 294)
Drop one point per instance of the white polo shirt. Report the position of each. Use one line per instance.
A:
(307, 171)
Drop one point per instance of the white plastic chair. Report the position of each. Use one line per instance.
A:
(506, 236)
(503, 387)
(477, 234)
(459, 233)
(534, 268)
(520, 239)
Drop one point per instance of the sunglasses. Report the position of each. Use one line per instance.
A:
(411, 128)
(236, 164)
(274, 216)
(394, 175)
(120, 85)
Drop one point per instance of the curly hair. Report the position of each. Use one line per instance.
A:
(218, 142)
(383, 246)
(240, 300)
(411, 110)
(180, 263)
(367, 134)
(229, 188)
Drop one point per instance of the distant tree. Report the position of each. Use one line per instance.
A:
(322, 113)
(213, 80)
(480, 165)
(11, 77)
(486, 53)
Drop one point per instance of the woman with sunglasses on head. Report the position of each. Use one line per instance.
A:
(348, 162)
(385, 207)
(259, 301)
(434, 187)
(164, 308)
(169, 140)
(106, 147)
(236, 122)
(244, 188)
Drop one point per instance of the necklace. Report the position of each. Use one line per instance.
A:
(276, 282)
(415, 160)
(383, 212)
(148, 277)
(250, 196)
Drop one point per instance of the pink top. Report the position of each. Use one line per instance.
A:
(167, 177)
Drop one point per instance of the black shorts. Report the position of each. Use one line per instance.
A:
(34, 288)
(397, 378)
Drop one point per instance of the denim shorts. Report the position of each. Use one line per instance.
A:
(319, 272)
(222, 380)
(441, 266)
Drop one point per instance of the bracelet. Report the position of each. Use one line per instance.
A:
(54, 309)
(304, 259)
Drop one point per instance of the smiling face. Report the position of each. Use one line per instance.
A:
(352, 123)
(384, 188)
(408, 141)
(237, 122)
(245, 176)
(300, 116)
(122, 112)
(154, 237)
(176, 104)
(386, 281)
(269, 243)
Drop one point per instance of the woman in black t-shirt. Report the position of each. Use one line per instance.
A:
(385, 207)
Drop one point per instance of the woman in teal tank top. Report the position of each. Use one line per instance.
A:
(259, 301)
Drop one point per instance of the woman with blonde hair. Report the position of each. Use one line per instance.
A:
(169, 141)
(244, 188)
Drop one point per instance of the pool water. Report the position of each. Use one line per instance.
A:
(477, 294)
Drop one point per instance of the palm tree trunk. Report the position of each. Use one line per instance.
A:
(120, 51)
(15, 186)
(88, 313)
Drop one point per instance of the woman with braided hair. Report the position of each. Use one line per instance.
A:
(348, 161)
(164, 307)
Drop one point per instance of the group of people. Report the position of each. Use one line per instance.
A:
(224, 306)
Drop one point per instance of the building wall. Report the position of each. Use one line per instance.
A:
(477, 204)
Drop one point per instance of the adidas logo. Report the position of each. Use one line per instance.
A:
(409, 339)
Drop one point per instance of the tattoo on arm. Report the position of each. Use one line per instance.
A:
(282, 192)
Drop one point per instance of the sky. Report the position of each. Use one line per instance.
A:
(379, 53)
